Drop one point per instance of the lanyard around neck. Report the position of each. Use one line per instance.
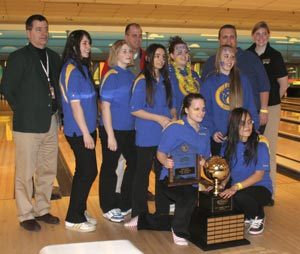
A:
(46, 69)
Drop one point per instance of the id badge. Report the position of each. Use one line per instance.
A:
(52, 92)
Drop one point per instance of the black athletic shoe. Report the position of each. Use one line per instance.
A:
(31, 225)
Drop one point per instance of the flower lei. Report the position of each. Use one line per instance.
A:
(187, 84)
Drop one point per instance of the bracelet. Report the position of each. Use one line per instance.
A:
(239, 186)
(264, 111)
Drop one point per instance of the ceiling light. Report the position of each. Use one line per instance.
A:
(209, 35)
(278, 37)
(212, 39)
(155, 36)
(284, 42)
(148, 38)
(57, 32)
(194, 45)
(294, 40)
(59, 36)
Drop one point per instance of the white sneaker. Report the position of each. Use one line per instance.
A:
(179, 240)
(124, 213)
(256, 226)
(247, 222)
(114, 215)
(80, 227)
(89, 218)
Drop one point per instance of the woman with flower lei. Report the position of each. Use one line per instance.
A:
(183, 79)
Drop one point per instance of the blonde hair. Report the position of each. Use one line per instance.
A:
(113, 52)
(235, 85)
(260, 24)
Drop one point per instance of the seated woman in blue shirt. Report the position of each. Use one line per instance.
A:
(183, 79)
(79, 103)
(249, 159)
(151, 104)
(117, 133)
(187, 131)
(224, 90)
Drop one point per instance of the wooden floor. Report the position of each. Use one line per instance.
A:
(282, 231)
(281, 234)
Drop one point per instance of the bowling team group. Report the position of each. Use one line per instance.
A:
(149, 102)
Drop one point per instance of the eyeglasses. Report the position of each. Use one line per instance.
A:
(244, 123)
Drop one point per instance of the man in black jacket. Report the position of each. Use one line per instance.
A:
(30, 85)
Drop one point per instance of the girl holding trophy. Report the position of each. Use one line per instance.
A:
(249, 159)
(190, 132)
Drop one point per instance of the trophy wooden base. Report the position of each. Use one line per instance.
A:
(215, 231)
(214, 204)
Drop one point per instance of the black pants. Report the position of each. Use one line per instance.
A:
(109, 199)
(185, 198)
(146, 157)
(252, 200)
(85, 174)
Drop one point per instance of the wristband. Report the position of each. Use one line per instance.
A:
(239, 186)
(264, 111)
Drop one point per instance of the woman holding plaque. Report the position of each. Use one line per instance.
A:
(224, 90)
(151, 104)
(190, 133)
(249, 160)
(183, 79)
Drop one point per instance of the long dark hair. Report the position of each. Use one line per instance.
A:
(250, 154)
(187, 101)
(72, 50)
(149, 74)
(235, 85)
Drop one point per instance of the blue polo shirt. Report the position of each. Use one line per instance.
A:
(74, 86)
(215, 90)
(148, 133)
(178, 92)
(251, 66)
(240, 171)
(116, 89)
(179, 133)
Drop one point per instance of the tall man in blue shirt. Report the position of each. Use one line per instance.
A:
(250, 65)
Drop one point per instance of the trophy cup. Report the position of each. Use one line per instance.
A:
(216, 169)
(214, 223)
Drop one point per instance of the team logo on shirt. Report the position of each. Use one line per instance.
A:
(222, 96)
(184, 148)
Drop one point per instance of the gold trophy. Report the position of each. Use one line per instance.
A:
(214, 223)
(216, 169)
